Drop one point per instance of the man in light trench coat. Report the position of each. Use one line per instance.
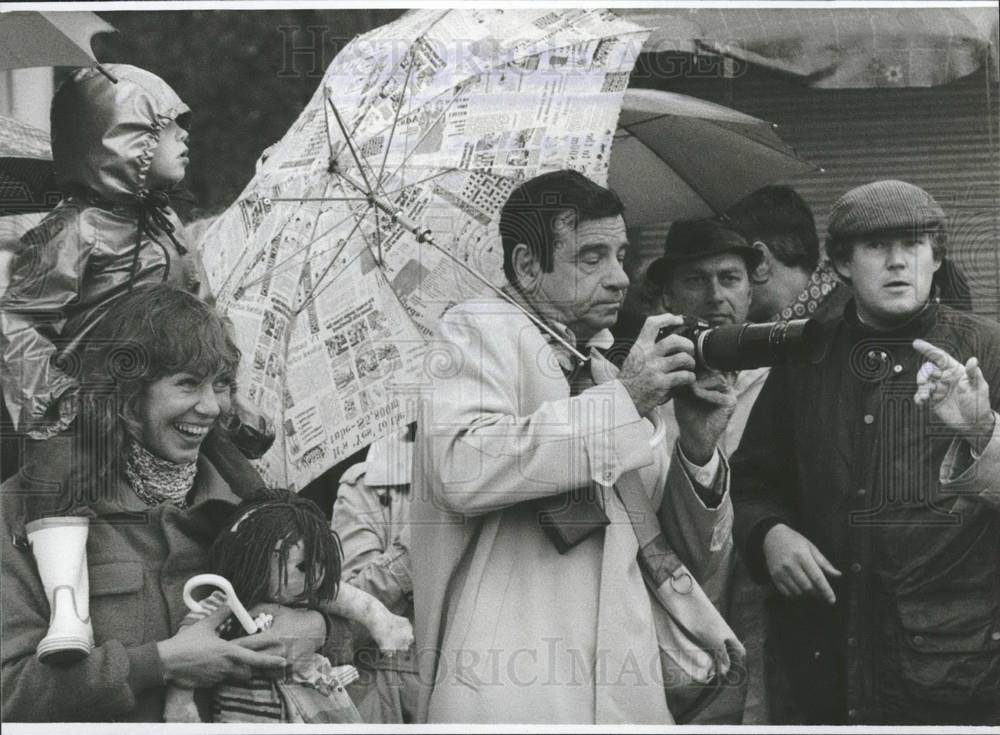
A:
(508, 628)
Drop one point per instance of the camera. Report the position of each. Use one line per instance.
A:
(745, 346)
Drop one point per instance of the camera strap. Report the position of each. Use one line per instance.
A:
(692, 629)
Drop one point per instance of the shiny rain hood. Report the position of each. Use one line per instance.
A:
(104, 134)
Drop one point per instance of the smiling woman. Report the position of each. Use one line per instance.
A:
(170, 365)
(157, 376)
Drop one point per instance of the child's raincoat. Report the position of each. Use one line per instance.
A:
(109, 234)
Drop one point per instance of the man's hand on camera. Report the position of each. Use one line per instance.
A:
(703, 413)
(653, 370)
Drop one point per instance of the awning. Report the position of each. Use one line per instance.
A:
(836, 47)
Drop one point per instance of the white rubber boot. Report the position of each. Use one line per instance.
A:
(59, 545)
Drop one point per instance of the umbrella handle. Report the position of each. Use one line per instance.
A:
(215, 580)
(659, 429)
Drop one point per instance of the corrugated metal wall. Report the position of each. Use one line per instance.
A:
(944, 139)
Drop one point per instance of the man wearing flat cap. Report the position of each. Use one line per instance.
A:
(867, 490)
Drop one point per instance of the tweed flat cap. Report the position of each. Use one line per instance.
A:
(884, 206)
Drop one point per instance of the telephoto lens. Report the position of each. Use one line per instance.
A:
(746, 346)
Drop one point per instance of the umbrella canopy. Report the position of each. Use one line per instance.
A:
(375, 213)
(837, 47)
(677, 157)
(48, 38)
(27, 179)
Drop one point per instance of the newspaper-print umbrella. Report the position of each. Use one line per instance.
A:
(679, 157)
(27, 178)
(375, 212)
(48, 38)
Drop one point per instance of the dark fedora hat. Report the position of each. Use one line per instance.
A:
(694, 239)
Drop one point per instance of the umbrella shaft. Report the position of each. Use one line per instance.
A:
(423, 235)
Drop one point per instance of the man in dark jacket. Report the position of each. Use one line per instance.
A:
(867, 490)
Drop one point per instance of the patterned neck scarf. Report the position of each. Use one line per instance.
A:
(157, 480)
(821, 283)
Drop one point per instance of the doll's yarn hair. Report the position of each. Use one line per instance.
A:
(272, 523)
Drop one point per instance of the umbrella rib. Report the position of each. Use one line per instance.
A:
(260, 254)
(503, 295)
(370, 192)
(280, 266)
(329, 138)
(319, 199)
(422, 138)
(350, 145)
(395, 120)
(422, 34)
(381, 274)
(464, 81)
(312, 235)
(256, 259)
(445, 172)
(235, 269)
(425, 103)
(364, 234)
(374, 203)
(777, 146)
(316, 291)
(378, 236)
(312, 294)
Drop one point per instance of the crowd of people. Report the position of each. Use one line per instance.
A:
(586, 524)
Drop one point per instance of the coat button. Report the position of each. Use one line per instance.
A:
(852, 642)
(852, 713)
(996, 635)
(862, 492)
(855, 567)
(815, 654)
(869, 419)
(897, 369)
(918, 640)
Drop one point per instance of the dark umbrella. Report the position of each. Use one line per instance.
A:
(678, 157)
(53, 38)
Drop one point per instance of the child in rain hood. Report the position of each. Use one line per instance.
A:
(118, 147)
(281, 550)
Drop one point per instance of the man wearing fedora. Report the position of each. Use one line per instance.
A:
(705, 272)
(867, 490)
